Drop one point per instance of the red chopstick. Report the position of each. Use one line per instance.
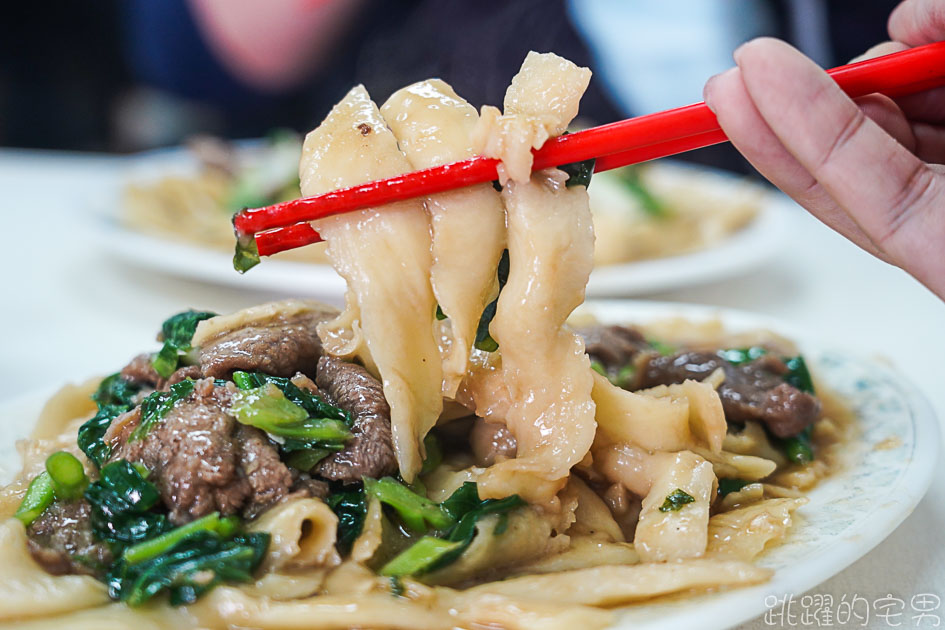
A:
(285, 226)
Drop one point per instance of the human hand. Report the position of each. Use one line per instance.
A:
(871, 169)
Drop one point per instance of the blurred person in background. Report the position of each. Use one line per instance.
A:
(142, 73)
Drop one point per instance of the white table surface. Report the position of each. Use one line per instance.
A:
(70, 312)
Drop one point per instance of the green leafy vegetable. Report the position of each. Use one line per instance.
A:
(177, 331)
(67, 475)
(267, 408)
(158, 405)
(728, 486)
(465, 509)
(187, 560)
(434, 455)
(799, 448)
(630, 177)
(121, 502)
(305, 459)
(738, 356)
(151, 548)
(484, 340)
(417, 512)
(246, 254)
(39, 496)
(440, 315)
(114, 397)
(312, 403)
(420, 556)
(579, 173)
(622, 378)
(464, 499)
(663, 348)
(798, 375)
(188, 569)
(676, 500)
(351, 508)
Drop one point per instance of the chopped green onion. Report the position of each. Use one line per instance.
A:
(224, 527)
(420, 557)
(67, 474)
(676, 500)
(416, 511)
(440, 315)
(39, 496)
(598, 367)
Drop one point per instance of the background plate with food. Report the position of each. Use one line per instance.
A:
(659, 226)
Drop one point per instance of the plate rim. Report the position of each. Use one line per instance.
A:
(915, 480)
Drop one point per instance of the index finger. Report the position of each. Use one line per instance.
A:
(881, 184)
(918, 22)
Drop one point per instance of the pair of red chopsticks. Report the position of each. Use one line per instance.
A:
(285, 225)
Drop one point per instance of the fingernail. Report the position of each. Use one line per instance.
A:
(707, 91)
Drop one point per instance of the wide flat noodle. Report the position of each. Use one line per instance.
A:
(434, 126)
(551, 248)
(548, 374)
(26, 590)
(536, 109)
(384, 255)
(621, 584)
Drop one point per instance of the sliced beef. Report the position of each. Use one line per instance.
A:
(192, 372)
(491, 442)
(61, 540)
(370, 453)
(751, 391)
(202, 460)
(269, 479)
(280, 347)
(306, 487)
(141, 371)
(613, 346)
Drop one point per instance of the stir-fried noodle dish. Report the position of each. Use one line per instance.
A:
(449, 450)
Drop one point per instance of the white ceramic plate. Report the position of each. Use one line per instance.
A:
(847, 516)
(740, 252)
